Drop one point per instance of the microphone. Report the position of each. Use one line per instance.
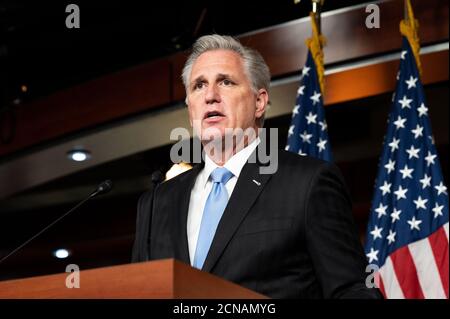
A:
(103, 188)
(141, 247)
(157, 177)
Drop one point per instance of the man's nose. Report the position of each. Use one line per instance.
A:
(212, 94)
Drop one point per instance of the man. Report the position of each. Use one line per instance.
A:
(288, 234)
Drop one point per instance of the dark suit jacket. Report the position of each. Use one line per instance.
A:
(292, 236)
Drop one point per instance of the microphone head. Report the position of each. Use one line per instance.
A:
(104, 187)
(157, 177)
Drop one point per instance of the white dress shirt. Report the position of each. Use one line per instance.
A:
(203, 186)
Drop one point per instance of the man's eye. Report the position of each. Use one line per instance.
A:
(227, 82)
(198, 85)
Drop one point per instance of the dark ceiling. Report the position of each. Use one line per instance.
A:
(38, 51)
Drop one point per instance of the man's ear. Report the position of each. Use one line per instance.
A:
(262, 98)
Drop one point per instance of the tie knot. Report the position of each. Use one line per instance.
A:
(221, 175)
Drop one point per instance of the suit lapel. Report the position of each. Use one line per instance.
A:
(179, 212)
(244, 195)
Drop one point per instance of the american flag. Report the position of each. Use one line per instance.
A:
(407, 235)
(308, 133)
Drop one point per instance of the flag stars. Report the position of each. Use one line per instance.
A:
(295, 111)
(386, 188)
(400, 122)
(405, 102)
(306, 138)
(394, 144)
(311, 118)
(425, 181)
(441, 188)
(307, 115)
(291, 130)
(372, 255)
(305, 71)
(391, 236)
(406, 172)
(403, 54)
(413, 152)
(376, 232)
(381, 210)
(422, 110)
(411, 82)
(321, 145)
(401, 192)
(390, 166)
(420, 207)
(420, 203)
(395, 215)
(417, 131)
(315, 97)
(430, 158)
(414, 223)
(437, 210)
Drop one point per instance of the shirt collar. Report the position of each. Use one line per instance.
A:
(234, 164)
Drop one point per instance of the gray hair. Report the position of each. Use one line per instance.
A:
(255, 67)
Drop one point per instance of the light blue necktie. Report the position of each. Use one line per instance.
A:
(214, 207)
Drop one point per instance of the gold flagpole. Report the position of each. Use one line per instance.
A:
(317, 42)
(317, 9)
(409, 27)
(405, 10)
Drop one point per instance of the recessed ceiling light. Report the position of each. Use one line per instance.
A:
(79, 155)
(61, 253)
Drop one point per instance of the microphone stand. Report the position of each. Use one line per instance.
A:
(101, 189)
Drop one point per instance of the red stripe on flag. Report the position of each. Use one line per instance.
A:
(439, 246)
(406, 273)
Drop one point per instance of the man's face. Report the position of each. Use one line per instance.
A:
(220, 95)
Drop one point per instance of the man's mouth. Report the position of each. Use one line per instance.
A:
(213, 115)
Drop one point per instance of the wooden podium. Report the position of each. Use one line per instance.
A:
(161, 279)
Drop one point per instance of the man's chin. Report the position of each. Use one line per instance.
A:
(212, 133)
